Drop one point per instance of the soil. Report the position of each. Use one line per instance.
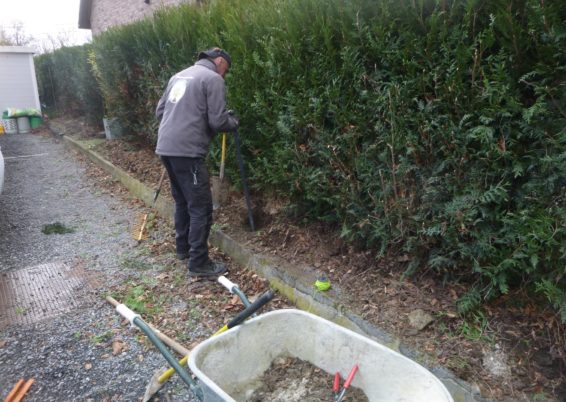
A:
(294, 380)
(514, 349)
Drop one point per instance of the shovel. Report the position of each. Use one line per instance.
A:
(161, 376)
(219, 187)
(244, 180)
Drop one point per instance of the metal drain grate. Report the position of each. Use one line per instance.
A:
(33, 294)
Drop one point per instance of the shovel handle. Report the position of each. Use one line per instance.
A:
(244, 180)
(159, 185)
(223, 157)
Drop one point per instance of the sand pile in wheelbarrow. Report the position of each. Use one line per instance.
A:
(292, 380)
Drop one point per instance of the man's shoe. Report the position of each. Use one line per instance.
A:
(209, 269)
(182, 256)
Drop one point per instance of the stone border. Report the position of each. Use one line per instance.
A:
(291, 281)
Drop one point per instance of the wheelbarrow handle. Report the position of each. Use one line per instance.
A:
(255, 306)
(234, 289)
(242, 315)
(136, 320)
(227, 283)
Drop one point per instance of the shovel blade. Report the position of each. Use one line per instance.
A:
(220, 190)
(154, 385)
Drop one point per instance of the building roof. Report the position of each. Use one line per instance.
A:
(84, 14)
(17, 49)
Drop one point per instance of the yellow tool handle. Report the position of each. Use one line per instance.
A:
(165, 376)
(223, 156)
(139, 236)
(224, 328)
(240, 317)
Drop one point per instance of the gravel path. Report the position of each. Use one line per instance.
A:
(70, 355)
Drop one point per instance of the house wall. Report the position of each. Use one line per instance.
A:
(18, 85)
(109, 13)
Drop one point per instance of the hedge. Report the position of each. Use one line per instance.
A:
(434, 129)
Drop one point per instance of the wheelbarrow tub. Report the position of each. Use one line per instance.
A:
(228, 363)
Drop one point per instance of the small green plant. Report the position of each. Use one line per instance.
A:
(540, 396)
(141, 299)
(179, 279)
(456, 362)
(195, 313)
(102, 337)
(135, 299)
(149, 281)
(56, 228)
(218, 226)
(475, 327)
(135, 263)
(21, 311)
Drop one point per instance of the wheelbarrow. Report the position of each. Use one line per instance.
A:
(228, 365)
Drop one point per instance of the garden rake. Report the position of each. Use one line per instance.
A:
(139, 231)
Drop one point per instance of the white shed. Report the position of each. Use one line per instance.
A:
(18, 84)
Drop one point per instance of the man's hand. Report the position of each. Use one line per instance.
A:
(235, 120)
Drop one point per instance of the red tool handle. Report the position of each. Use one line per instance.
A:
(351, 376)
(336, 384)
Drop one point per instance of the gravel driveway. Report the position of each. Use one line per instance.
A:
(67, 352)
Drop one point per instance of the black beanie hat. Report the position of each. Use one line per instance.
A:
(214, 53)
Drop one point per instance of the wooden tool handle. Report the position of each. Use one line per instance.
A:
(223, 157)
(173, 344)
(161, 179)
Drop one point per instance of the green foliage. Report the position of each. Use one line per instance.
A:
(56, 228)
(142, 299)
(66, 83)
(431, 127)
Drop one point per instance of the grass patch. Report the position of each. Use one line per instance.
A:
(21, 311)
(101, 338)
(143, 299)
(136, 259)
(476, 328)
(56, 228)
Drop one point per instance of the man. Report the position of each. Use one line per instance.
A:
(190, 112)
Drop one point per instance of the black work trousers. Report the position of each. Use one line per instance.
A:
(190, 187)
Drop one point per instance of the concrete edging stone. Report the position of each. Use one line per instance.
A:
(295, 283)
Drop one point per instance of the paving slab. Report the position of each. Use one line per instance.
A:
(35, 293)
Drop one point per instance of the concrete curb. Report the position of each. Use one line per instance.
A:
(292, 281)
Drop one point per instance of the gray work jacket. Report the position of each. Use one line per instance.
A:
(191, 111)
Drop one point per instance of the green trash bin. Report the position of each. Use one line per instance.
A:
(35, 121)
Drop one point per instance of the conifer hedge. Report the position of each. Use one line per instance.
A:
(66, 83)
(434, 128)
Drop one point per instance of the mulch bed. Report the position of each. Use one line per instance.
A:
(527, 336)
